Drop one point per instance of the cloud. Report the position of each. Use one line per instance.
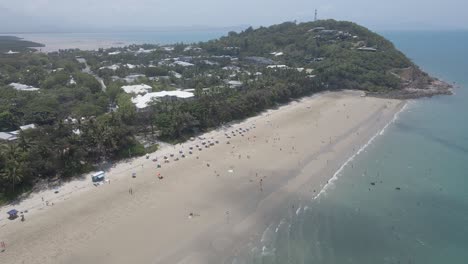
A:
(164, 13)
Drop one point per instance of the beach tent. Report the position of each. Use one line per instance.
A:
(98, 176)
(13, 213)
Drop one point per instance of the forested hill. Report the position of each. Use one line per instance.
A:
(340, 52)
(11, 43)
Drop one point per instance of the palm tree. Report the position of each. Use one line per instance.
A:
(12, 173)
(25, 142)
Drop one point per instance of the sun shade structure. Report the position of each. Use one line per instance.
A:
(13, 213)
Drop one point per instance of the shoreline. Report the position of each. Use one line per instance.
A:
(157, 215)
(363, 148)
(261, 244)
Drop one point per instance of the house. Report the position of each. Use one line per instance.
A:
(168, 48)
(114, 53)
(277, 53)
(8, 136)
(112, 67)
(316, 29)
(141, 50)
(189, 48)
(281, 66)
(10, 52)
(137, 89)
(23, 87)
(308, 71)
(133, 78)
(231, 68)
(328, 31)
(26, 127)
(183, 63)
(142, 101)
(367, 49)
(211, 63)
(234, 84)
(13, 135)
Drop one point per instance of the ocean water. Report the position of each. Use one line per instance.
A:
(404, 199)
(127, 37)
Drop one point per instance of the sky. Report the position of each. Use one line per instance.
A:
(82, 15)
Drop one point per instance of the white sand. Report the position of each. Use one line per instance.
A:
(234, 190)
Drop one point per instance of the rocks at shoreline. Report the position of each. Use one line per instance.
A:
(415, 84)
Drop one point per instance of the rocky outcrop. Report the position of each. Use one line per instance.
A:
(415, 84)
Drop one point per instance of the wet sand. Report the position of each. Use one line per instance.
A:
(210, 204)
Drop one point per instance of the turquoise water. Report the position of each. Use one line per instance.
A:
(417, 211)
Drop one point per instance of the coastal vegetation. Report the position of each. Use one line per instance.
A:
(82, 117)
(8, 43)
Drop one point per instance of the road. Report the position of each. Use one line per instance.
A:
(87, 70)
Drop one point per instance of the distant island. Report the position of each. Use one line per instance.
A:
(12, 44)
(63, 113)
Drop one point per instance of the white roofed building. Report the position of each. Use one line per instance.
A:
(183, 63)
(234, 84)
(143, 101)
(111, 67)
(23, 87)
(13, 135)
(11, 52)
(137, 89)
(277, 67)
(133, 78)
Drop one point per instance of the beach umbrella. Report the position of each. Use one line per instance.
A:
(13, 213)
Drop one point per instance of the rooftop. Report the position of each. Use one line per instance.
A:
(281, 66)
(183, 63)
(137, 89)
(23, 87)
(142, 101)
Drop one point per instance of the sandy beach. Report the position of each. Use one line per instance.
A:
(209, 205)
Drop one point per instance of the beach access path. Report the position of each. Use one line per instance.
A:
(209, 205)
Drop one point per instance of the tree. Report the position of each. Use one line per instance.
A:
(7, 121)
(126, 107)
(12, 173)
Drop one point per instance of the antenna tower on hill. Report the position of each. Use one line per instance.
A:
(315, 19)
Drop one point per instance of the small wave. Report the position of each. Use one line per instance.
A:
(298, 211)
(279, 225)
(337, 173)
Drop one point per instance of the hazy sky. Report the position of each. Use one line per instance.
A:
(377, 14)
